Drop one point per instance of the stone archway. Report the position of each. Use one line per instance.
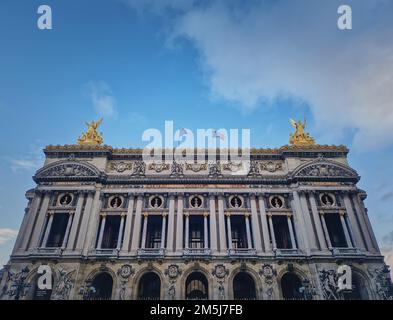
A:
(244, 287)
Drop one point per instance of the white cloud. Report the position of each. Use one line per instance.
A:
(29, 162)
(102, 99)
(7, 234)
(257, 51)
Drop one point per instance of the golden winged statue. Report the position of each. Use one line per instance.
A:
(91, 137)
(300, 137)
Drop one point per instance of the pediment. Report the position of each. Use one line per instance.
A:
(68, 170)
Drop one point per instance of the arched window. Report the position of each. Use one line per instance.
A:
(290, 286)
(149, 287)
(359, 289)
(244, 287)
(101, 287)
(196, 286)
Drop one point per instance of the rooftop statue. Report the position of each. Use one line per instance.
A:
(91, 137)
(299, 137)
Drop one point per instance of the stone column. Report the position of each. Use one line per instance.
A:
(229, 230)
(171, 224)
(163, 231)
(291, 233)
(317, 222)
(310, 234)
(248, 230)
(270, 218)
(344, 225)
(221, 224)
(82, 234)
(144, 230)
(187, 231)
(353, 225)
(264, 223)
(375, 243)
(299, 223)
(39, 225)
(68, 228)
(48, 227)
(256, 232)
(127, 230)
(325, 229)
(137, 225)
(205, 230)
(28, 229)
(92, 227)
(102, 229)
(213, 224)
(119, 238)
(179, 224)
(75, 222)
(363, 224)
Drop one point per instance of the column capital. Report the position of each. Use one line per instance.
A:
(186, 214)
(164, 214)
(103, 214)
(145, 214)
(50, 213)
(341, 212)
(269, 214)
(247, 215)
(206, 214)
(71, 213)
(227, 214)
(123, 214)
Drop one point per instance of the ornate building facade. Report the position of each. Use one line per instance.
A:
(112, 226)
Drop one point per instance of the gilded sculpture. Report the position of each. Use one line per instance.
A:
(300, 137)
(91, 137)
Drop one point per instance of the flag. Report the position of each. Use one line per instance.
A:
(182, 132)
(217, 134)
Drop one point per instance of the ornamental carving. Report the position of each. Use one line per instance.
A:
(324, 170)
(67, 170)
(383, 282)
(173, 271)
(268, 273)
(215, 170)
(125, 271)
(254, 169)
(196, 167)
(329, 286)
(220, 271)
(120, 166)
(64, 285)
(139, 168)
(159, 167)
(271, 166)
(232, 166)
(177, 169)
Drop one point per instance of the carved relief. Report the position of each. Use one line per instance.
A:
(215, 170)
(254, 169)
(232, 166)
(177, 169)
(196, 167)
(67, 170)
(271, 166)
(124, 272)
(64, 285)
(139, 168)
(159, 167)
(120, 166)
(269, 277)
(328, 280)
(173, 272)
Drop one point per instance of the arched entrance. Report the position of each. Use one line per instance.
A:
(101, 287)
(149, 287)
(359, 289)
(290, 286)
(244, 287)
(196, 287)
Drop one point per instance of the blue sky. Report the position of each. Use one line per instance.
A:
(205, 64)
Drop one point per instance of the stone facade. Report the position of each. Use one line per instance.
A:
(112, 226)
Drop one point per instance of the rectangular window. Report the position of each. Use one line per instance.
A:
(196, 236)
(58, 230)
(281, 232)
(154, 228)
(111, 232)
(335, 230)
(238, 230)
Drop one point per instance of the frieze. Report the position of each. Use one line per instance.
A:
(159, 167)
(120, 166)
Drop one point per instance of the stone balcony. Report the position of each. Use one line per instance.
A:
(242, 252)
(151, 253)
(196, 252)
